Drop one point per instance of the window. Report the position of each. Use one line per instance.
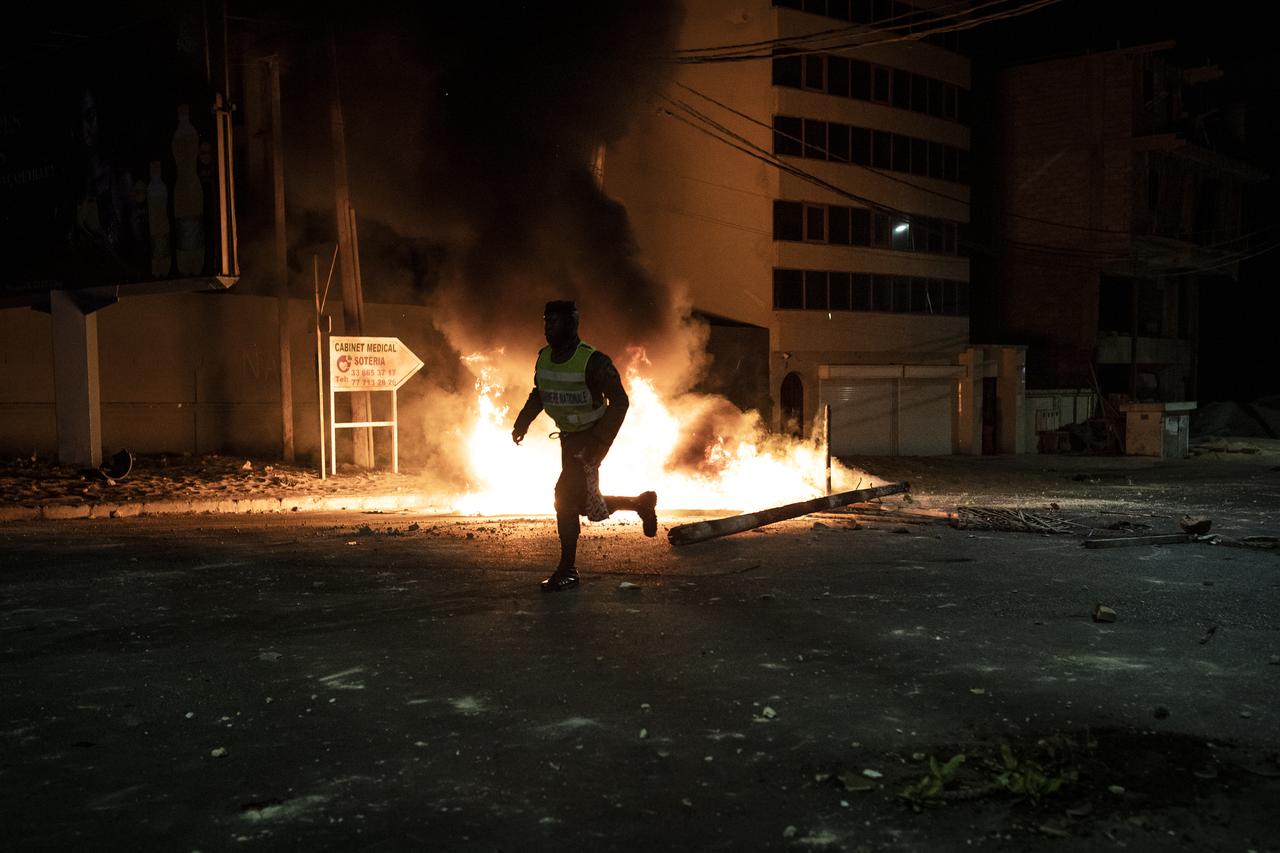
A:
(788, 289)
(786, 136)
(919, 296)
(880, 230)
(815, 139)
(838, 225)
(881, 292)
(882, 149)
(937, 160)
(815, 290)
(951, 164)
(788, 220)
(901, 153)
(838, 76)
(932, 236)
(861, 292)
(919, 157)
(901, 294)
(920, 93)
(860, 145)
(838, 285)
(860, 226)
(859, 80)
(901, 89)
(787, 71)
(901, 235)
(815, 223)
(880, 84)
(936, 97)
(815, 73)
(935, 296)
(838, 142)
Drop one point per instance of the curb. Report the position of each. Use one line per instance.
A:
(227, 506)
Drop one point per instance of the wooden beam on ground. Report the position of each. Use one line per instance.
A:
(1127, 541)
(701, 531)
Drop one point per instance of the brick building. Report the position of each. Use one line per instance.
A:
(1118, 205)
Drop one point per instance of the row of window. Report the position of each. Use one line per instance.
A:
(872, 11)
(820, 290)
(858, 226)
(880, 149)
(865, 81)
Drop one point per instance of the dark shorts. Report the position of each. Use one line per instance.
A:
(571, 488)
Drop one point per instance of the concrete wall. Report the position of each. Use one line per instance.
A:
(185, 373)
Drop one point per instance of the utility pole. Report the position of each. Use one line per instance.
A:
(282, 263)
(352, 298)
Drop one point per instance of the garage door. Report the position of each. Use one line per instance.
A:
(861, 416)
(889, 417)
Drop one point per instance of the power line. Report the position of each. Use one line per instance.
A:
(751, 54)
(739, 143)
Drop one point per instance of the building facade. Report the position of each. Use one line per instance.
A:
(1118, 205)
(817, 193)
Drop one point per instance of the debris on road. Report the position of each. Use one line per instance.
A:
(701, 531)
(1130, 541)
(628, 585)
(1102, 613)
(1208, 635)
(1195, 524)
(1010, 520)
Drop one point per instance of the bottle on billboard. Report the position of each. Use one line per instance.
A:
(158, 221)
(188, 196)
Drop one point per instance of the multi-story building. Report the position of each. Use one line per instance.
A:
(807, 180)
(1118, 205)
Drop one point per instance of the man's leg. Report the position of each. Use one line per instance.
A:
(570, 493)
(643, 505)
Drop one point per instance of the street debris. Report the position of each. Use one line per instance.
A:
(1130, 541)
(1102, 613)
(218, 752)
(628, 585)
(1208, 635)
(1195, 524)
(701, 531)
(1010, 520)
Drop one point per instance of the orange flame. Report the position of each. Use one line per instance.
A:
(737, 472)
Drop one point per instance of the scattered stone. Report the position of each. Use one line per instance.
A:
(768, 713)
(978, 691)
(1081, 810)
(644, 733)
(1195, 524)
(1246, 715)
(1102, 613)
(872, 774)
(218, 752)
(190, 714)
(789, 832)
(628, 585)
(1118, 790)
(247, 466)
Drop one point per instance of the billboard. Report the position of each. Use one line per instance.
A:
(110, 153)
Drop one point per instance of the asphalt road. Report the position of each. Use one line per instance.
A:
(354, 681)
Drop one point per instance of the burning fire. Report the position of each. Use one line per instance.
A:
(738, 472)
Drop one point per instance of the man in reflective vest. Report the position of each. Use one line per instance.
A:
(578, 386)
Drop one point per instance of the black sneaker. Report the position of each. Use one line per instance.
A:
(560, 580)
(648, 515)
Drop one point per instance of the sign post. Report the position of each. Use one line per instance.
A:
(368, 364)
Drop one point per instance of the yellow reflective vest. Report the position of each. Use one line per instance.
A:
(564, 392)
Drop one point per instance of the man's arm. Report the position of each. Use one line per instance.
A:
(603, 380)
(532, 407)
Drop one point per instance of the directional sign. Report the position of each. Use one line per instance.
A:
(370, 364)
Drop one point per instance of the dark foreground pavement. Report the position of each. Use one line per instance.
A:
(396, 681)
